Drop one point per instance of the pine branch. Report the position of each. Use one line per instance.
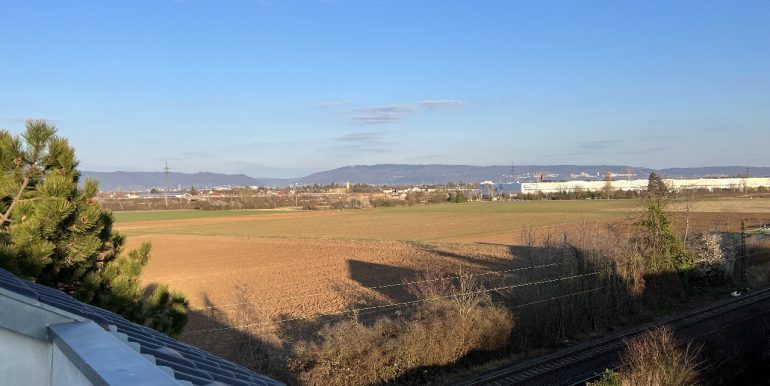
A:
(7, 214)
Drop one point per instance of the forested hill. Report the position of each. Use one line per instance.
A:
(401, 174)
(135, 181)
(437, 174)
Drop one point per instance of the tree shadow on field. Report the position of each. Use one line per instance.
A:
(460, 258)
(556, 293)
(385, 280)
(239, 338)
(559, 292)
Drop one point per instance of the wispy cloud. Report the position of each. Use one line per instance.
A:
(364, 142)
(438, 104)
(360, 137)
(397, 112)
(599, 144)
(382, 114)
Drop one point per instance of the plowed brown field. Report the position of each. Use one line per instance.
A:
(301, 264)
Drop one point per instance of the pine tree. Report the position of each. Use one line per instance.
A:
(656, 187)
(664, 249)
(55, 233)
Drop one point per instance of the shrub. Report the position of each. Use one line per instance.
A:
(655, 359)
(351, 353)
(714, 258)
(385, 203)
(609, 378)
(356, 203)
(439, 333)
(457, 197)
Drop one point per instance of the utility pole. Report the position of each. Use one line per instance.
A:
(745, 181)
(168, 183)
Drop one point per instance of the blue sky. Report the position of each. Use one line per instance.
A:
(283, 88)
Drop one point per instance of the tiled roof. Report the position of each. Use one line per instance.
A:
(186, 363)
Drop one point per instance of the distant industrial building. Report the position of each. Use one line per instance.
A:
(710, 184)
(165, 195)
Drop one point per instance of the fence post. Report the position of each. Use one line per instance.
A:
(743, 253)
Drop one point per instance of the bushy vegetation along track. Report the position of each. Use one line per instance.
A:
(582, 359)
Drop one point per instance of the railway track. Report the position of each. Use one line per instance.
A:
(530, 371)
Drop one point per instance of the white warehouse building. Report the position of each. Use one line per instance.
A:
(635, 185)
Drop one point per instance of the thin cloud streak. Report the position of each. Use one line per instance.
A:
(397, 112)
(360, 137)
(364, 142)
(438, 104)
(598, 145)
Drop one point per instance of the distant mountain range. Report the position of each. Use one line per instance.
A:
(399, 174)
(136, 181)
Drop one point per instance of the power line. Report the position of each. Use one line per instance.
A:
(386, 306)
(316, 294)
(379, 308)
(269, 300)
(525, 304)
(556, 297)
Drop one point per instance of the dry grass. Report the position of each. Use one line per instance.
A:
(352, 353)
(608, 279)
(656, 359)
(348, 352)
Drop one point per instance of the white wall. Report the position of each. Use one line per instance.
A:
(64, 372)
(24, 361)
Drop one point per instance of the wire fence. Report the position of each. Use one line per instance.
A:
(368, 309)
(760, 229)
(499, 273)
